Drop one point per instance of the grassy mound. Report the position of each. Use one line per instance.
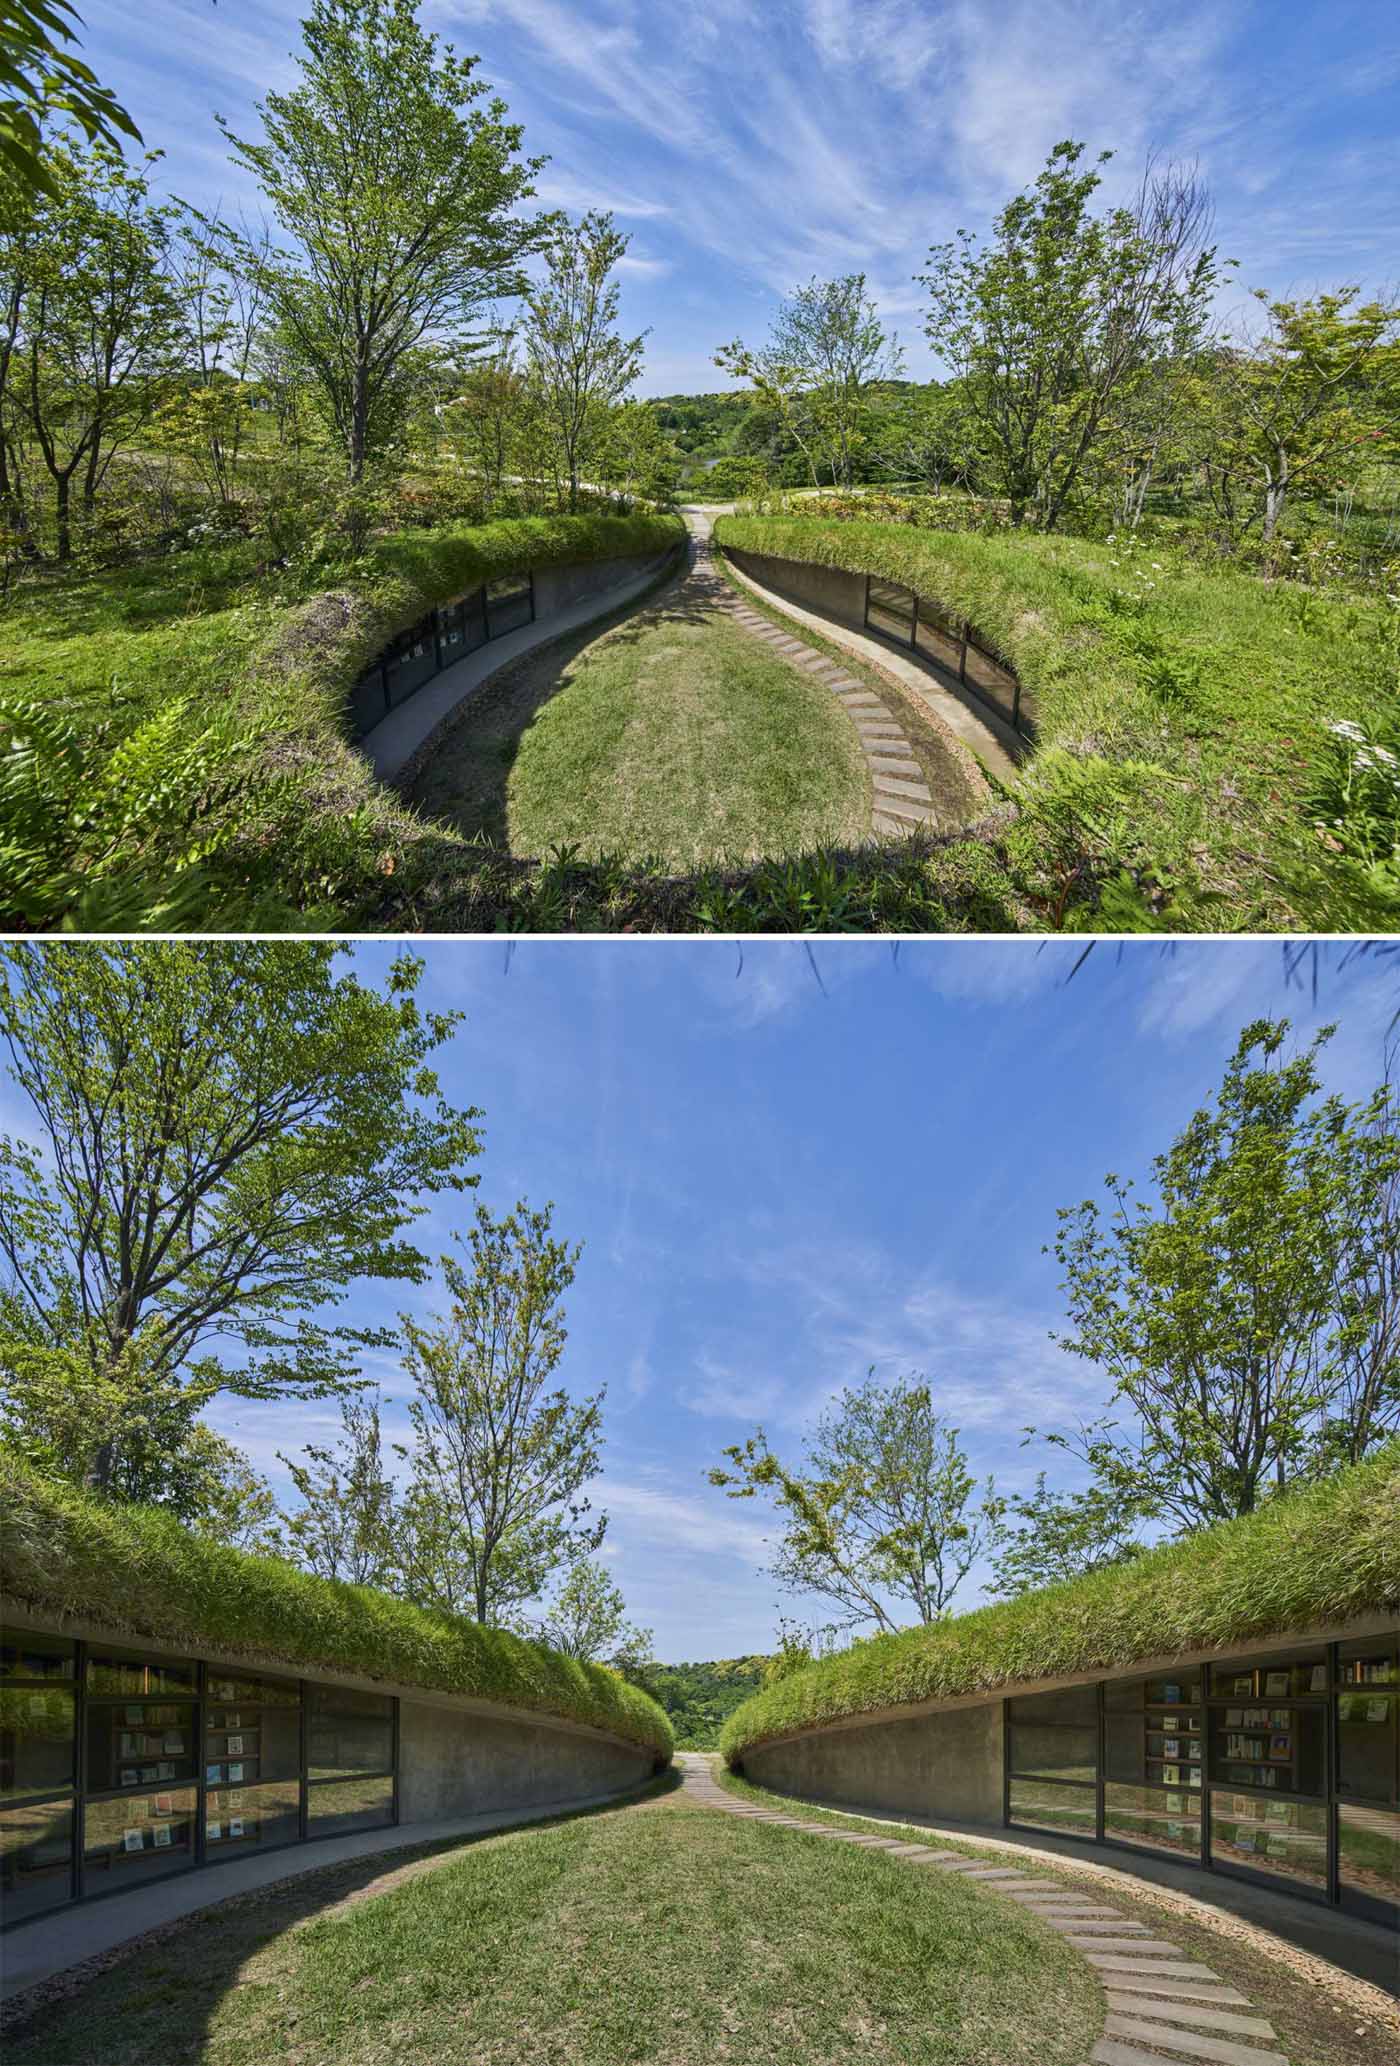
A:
(1185, 715)
(1323, 1555)
(136, 1571)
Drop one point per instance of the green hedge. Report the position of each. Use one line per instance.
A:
(137, 1572)
(1317, 1557)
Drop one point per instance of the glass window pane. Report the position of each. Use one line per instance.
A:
(115, 1672)
(1279, 1749)
(139, 1743)
(35, 1657)
(1073, 1704)
(127, 1842)
(1036, 1804)
(1366, 1744)
(347, 1804)
(938, 637)
(348, 1732)
(253, 1692)
(1150, 1815)
(1278, 1679)
(1368, 1853)
(508, 604)
(993, 682)
(1369, 1663)
(36, 1853)
(241, 1818)
(1285, 1838)
(36, 1739)
(246, 1743)
(1055, 1752)
(367, 702)
(412, 660)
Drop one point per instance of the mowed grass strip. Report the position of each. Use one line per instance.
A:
(662, 1933)
(674, 737)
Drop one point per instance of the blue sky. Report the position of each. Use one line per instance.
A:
(746, 148)
(779, 1186)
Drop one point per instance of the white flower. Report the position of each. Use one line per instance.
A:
(1383, 753)
(1345, 729)
(1157, 566)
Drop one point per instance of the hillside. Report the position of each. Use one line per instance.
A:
(699, 1698)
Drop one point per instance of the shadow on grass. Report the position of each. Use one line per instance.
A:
(156, 1996)
(461, 779)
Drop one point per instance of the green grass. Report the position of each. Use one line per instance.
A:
(1323, 1555)
(1182, 712)
(674, 736)
(1314, 2027)
(658, 1935)
(136, 1571)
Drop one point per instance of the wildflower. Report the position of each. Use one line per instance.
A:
(1345, 729)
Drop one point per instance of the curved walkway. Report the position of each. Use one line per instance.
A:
(903, 800)
(1159, 2002)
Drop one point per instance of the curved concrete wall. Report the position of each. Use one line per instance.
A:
(559, 588)
(451, 1763)
(830, 590)
(946, 1765)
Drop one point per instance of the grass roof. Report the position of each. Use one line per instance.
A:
(1323, 1556)
(136, 1571)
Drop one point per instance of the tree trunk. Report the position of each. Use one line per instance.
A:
(63, 523)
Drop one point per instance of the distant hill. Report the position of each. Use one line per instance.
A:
(699, 1698)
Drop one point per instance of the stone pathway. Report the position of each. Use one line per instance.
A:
(903, 800)
(1161, 2004)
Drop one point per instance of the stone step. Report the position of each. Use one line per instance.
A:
(993, 1872)
(911, 812)
(1223, 2050)
(1114, 1962)
(1095, 1929)
(1107, 2053)
(1139, 1946)
(1203, 2015)
(890, 828)
(902, 788)
(1140, 1988)
(1070, 1914)
(892, 755)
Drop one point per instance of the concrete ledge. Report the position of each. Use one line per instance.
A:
(570, 599)
(37, 1950)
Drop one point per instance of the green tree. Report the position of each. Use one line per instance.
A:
(826, 350)
(1060, 1535)
(346, 1524)
(219, 1140)
(94, 332)
(400, 191)
(882, 1510)
(1043, 327)
(579, 364)
(500, 1462)
(41, 78)
(587, 1619)
(1216, 1309)
(1295, 407)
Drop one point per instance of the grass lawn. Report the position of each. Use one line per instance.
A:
(674, 736)
(661, 1932)
(1315, 2026)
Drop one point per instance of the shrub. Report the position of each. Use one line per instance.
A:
(136, 1571)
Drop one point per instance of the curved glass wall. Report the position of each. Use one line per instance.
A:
(119, 1766)
(1283, 1769)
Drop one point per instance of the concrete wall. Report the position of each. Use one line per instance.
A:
(831, 590)
(946, 1765)
(559, 588)
(455, 1763)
